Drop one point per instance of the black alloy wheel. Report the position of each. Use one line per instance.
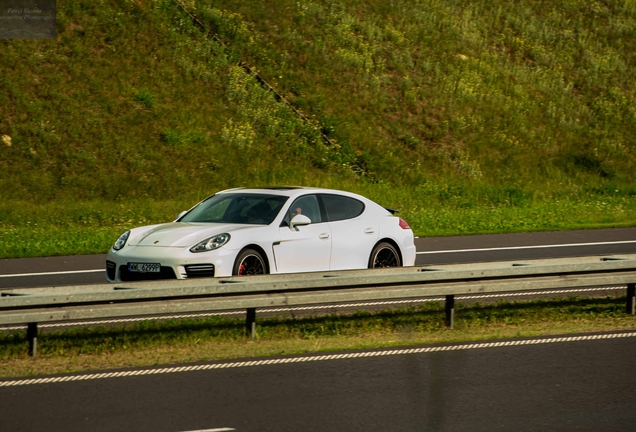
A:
(384, 255)
(249, 262)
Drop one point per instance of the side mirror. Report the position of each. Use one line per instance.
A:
(180, 215)
(299, 220)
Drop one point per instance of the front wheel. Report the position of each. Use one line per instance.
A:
(249, 262)
(384, 255)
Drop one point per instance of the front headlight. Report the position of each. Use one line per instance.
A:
(121, 241)
(212, 243)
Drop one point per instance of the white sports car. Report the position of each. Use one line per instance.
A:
(265, 230)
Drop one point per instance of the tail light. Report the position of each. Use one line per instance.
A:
(404, 224)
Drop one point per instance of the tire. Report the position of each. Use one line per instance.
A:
(384, 255)
(249, 262)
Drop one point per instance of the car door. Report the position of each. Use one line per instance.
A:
(353, 234)
(303, 248)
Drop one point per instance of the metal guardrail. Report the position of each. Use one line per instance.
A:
(33, 306)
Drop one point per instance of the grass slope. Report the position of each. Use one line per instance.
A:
(469, 116)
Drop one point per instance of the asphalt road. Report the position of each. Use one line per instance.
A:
(89, 269)
(562, 386)
(552, 386)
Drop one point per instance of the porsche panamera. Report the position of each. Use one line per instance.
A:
(265, 230)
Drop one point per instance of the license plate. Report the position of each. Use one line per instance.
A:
(144, 267)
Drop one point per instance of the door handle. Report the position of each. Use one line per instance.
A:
(323, 236)
(369, 231)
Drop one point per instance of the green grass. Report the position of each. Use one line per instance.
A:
(499, 91)
(469, 116)
(220, 338)
(88, 227)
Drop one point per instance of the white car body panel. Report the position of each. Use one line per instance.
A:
(349, 237)
(336, 245)
(179, 234)
(305, 250)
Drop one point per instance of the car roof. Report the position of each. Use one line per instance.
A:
(296, 191)
(288, 191)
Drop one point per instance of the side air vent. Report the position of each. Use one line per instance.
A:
(200, 270)
(111, 269)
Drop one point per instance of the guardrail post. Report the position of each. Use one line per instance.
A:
(32, 336)
(250, 323)
(450, 311)
(631, 299)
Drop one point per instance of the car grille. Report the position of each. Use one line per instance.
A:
(111, 269)
(200, 270)
(128, 276)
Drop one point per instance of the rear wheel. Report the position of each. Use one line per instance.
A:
(249, 262)
(384, 255)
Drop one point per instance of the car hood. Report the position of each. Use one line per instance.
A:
(180, 234)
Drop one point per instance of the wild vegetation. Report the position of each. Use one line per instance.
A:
(469, 116)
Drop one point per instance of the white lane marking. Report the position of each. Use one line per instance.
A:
(527, 247)
(52, 273)
(213, 430)
(317, 307)
(311, 358)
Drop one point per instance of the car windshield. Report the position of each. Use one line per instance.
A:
(242, 208)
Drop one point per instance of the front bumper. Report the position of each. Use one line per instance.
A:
(176, 263)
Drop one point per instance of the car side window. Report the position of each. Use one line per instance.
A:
(306, 205)
(341, 207)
